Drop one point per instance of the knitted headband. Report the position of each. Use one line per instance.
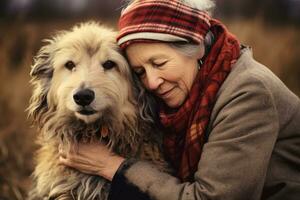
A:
(162, 20)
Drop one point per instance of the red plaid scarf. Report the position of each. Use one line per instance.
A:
(186, 127)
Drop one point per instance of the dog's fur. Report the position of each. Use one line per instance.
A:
(53, 109)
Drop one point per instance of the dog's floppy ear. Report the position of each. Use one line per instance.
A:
(41, 75)
(42, 62)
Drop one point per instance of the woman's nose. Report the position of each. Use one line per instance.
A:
(153, 80)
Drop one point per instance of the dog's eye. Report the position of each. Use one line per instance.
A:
(109, 64)
(70, 65)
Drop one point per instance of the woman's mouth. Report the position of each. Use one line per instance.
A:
(166, 93)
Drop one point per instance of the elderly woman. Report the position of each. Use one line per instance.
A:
(231, 127)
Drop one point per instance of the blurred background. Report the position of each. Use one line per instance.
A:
(270, 27)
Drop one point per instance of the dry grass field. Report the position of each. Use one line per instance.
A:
(276, 47)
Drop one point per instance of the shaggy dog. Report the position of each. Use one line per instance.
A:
(83, 91)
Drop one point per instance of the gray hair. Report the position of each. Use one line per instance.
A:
(190, 50)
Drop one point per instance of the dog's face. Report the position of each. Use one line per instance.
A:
(81, 73)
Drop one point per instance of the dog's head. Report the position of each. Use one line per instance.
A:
(81, 74)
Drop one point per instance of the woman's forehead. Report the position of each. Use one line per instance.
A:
(148, 51)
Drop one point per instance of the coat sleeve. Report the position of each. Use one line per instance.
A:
(234, 161)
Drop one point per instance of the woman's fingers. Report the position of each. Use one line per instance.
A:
(80, 164)
(65, 150)
(91, 158)
(83, 155)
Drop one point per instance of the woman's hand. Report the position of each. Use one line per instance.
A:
(92, 158)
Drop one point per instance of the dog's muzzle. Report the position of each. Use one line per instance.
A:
(84, 98)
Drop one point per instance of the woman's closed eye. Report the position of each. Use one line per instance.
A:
(159, 63)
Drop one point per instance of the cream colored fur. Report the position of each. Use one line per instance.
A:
(52, 107)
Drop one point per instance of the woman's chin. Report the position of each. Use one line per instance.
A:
(173, 103)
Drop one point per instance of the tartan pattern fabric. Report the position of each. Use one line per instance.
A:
(185, 129)
(164, 17)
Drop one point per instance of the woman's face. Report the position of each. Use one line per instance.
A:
(169, 74)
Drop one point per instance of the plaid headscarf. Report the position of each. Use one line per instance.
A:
(167, 21)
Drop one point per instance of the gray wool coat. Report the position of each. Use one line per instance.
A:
(253, 149)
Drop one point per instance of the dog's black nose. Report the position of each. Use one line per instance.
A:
(84, 97)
